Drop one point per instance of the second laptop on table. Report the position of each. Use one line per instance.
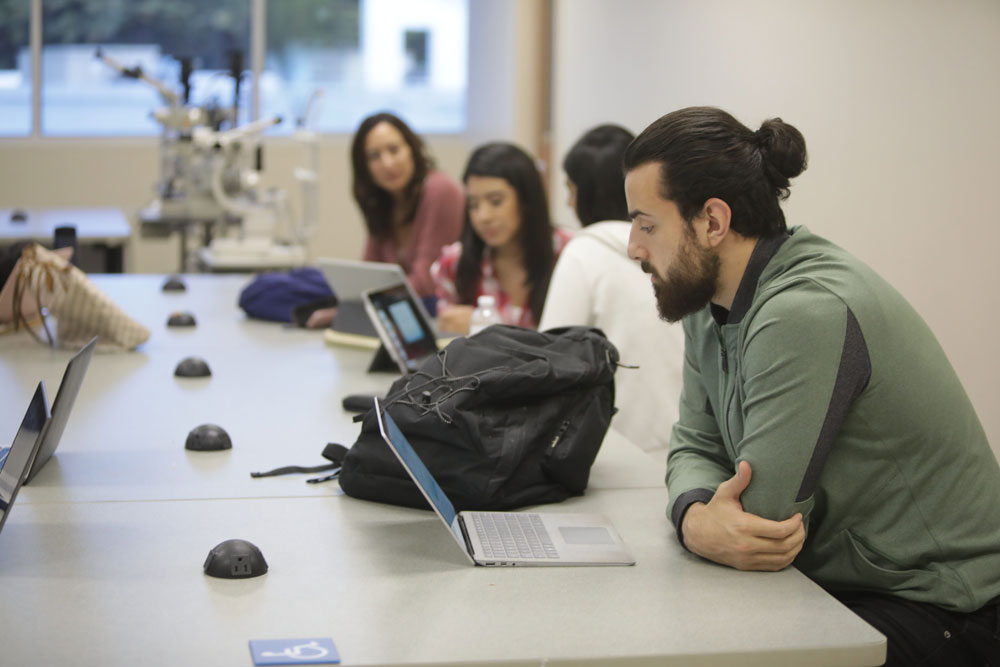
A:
(349, 280)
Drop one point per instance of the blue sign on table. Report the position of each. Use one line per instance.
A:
(309, 651)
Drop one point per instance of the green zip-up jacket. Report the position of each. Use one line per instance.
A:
(829, 384)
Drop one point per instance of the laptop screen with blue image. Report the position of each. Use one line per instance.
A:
(406, 319)
(406, 334)
(426, 481)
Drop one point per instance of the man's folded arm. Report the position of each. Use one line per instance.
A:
(805, 363)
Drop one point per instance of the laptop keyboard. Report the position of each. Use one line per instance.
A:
(513, 535)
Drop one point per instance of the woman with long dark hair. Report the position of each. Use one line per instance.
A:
(411, 209)
(508, 245)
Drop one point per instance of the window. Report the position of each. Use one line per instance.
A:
(15, 68)
(331, 63)
(164, 38)
(416, 56)
(324, 63)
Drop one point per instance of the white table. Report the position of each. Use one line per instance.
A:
(121, 583)
(276, 390)
(100, 560)
(105, 227)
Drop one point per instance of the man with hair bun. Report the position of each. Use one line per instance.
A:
(820, 422)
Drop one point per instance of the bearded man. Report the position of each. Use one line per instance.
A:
(821, 423)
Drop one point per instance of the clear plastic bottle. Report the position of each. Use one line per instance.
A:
(484, 315)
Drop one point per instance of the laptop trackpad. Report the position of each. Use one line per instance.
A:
(585, 535)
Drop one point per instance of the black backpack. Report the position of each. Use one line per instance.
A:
(506, 418)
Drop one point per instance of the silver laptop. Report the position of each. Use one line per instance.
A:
(62, 406)
(349, 280)
(406, 333)
(21, 452)
(511, 538)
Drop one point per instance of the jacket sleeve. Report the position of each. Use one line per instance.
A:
(698, 460)
(437, 222)
(804, 362)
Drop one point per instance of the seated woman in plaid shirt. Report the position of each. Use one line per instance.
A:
(508, 245)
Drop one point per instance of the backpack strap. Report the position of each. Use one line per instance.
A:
(332, 452)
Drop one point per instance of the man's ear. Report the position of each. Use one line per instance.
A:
(718, 215)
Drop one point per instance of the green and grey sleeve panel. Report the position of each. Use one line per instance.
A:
(798, 396)
(779, 414)
(853, 375)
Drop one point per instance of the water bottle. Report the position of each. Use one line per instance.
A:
(484, 315)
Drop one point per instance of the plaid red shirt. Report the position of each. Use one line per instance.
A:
(443, 273)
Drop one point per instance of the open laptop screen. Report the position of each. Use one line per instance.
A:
(409, 458)
(402, 326)
(349, 278)
(22, 450)
(62, 406)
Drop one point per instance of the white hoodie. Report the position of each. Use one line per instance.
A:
(595, 284)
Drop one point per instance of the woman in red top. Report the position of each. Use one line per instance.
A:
(508, 246)
(411, 210)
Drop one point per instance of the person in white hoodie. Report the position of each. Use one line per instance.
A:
(596, 284)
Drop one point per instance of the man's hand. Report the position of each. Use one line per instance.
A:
(722, 532)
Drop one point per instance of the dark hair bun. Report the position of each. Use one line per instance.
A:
(784, 150)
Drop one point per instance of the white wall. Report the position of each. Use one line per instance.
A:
(899, 104)
(505, 72)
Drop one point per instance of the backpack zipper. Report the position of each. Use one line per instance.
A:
(559, 434)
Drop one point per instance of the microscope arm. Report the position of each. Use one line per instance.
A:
(137, 73)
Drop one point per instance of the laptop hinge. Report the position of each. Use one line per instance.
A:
(465, 536)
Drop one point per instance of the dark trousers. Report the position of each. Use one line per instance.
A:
(918, 633)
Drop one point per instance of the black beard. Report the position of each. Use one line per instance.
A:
(690, 284)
